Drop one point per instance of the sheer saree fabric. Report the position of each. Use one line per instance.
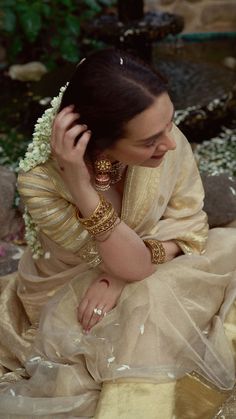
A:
(162, 329)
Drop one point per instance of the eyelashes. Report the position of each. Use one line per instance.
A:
(151, 144)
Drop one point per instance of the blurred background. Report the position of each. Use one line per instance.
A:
(192, 42)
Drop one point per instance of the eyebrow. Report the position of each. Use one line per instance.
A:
(155, 136)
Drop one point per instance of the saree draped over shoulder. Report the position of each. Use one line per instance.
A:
(166, 331)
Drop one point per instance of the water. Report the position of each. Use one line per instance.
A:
(195, 70)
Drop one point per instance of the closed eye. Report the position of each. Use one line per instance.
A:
(151, 143)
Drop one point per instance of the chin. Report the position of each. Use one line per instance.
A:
(152, 163)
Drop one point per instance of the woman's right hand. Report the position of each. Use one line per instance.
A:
(68, 152)
(102, 296)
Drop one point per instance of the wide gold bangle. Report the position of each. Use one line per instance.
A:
(102, 208)
(105, 224)
(109, 232)
(101, 220)
(158, 254)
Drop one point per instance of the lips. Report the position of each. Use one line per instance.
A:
(158, 157)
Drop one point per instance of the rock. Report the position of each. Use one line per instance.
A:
(230, 62)
(220, 199)
(9, 257)
(33, 71)
(166, 2)
(219, 12)
(9, 221)
(188, 11)
(7, 188)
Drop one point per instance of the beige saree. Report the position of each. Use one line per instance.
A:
(162, 352)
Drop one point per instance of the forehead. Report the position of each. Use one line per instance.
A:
(151, 121)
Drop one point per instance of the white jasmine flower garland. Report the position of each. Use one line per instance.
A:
(38, 152)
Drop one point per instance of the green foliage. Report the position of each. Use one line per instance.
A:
(37, 29)
(12, 147)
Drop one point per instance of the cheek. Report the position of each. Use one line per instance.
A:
(139, 154)
(132, 155)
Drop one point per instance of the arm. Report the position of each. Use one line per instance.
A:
(124, 254)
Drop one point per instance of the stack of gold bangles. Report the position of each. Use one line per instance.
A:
(103, 219)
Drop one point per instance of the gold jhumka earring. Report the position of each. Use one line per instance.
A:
(107, 173)
(102, 168)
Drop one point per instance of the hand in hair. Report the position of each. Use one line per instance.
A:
(103, 295)
(69, 152)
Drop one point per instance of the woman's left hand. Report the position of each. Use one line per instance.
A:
(102, 296)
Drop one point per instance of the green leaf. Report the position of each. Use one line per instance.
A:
(7, 20)
(16, 46)
(93, 5)
(87, 15)
(67, 3)
(55, 41)
(70, 50)
(7, 3)
(14, 49)
(31, 23)
(46, 10)
(73, 25)
(108, 2)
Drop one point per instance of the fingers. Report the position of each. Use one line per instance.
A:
(65, 131)
(81, 309)
(98, 297)
(87, 315)
(63, 120)
(95, 318)
(71, 134)
(83, 142)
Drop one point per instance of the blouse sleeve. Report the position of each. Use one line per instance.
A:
(53, 213)
(184, 213)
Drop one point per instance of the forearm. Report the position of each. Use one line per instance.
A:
(124, 253)
(171, 250)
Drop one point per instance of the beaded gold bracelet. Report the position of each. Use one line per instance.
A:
(158, 254)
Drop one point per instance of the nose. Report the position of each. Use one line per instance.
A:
(167, 143)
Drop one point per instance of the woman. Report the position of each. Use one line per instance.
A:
(118, 307)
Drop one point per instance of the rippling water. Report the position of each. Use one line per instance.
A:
(195, 71)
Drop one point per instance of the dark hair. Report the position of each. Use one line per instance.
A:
(108, 89)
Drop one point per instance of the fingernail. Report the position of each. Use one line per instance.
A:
(89, 132)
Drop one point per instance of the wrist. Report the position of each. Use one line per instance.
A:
(87, 199)
(172, 249)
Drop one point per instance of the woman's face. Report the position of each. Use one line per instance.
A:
(148, 136)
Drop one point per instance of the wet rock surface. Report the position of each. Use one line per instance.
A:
(220, 199)
(10, 255)
(10, 218)
(200, 15)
